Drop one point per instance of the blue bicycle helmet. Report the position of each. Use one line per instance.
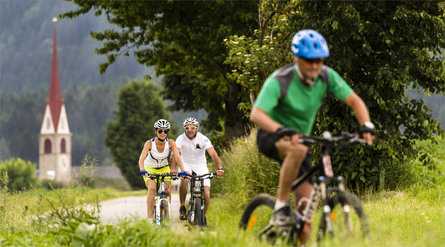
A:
(309, 44)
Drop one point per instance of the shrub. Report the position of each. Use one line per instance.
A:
(428, 168)
(20, 174)
(247, 172)
(51, 184)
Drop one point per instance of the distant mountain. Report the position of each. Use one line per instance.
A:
(26, 31)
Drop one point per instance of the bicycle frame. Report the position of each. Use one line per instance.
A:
(161, 195)
(197, 192)
(320, 189)
(320, 185)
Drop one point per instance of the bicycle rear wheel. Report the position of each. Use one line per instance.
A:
(351, 224)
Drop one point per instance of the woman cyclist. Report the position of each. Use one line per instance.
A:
(154, 159)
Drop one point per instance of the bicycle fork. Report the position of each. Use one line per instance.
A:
(159, 198)
(327, 210)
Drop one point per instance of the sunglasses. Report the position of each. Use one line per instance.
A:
(160, 131)
(313, 60)
(190, 128)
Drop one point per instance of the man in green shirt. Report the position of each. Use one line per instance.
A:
(288, 103)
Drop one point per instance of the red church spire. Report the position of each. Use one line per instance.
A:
(55, 100)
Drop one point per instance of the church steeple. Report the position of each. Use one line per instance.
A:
(55, 100)
(55, 134)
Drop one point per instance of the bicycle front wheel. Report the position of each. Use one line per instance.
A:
(198, 214)
(345, 222)
(256, 217)
(165, 211)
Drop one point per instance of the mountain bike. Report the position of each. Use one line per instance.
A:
(161, 209)
(336, 202)
(196, 203)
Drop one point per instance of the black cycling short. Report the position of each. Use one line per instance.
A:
(266, 145)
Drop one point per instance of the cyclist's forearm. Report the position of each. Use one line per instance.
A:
(217, 161)
(141, 163)
(172, 162)
(359, 108)
(178, 159)
(260, 118)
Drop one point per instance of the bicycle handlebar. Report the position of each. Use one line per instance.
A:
(163, 175)
(327, 138)
(203, 176)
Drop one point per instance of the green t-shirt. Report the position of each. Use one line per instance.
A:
(300, 106)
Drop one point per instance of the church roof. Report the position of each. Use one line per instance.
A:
(54, 99)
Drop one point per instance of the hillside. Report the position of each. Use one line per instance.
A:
(26, 31)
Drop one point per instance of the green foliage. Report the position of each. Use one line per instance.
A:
(87, 171)
(381, 52)
(20, 211)
(19, 173)
(139, 106)
(414, 217)
(428, 167)
(182, 40)
(20, 119)
(247, 172)
(49, 184)
(88, 108)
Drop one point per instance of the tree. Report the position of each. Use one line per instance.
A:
(20, 120)
(139, 106)
(17, 174)
(183, 40)
(381, 48)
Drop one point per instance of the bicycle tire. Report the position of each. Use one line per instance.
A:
(256, 202)
(338, 198)
(198, 214)
(164, 211)
(256, 217)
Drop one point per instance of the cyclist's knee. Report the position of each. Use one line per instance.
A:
(296, 151)
(151, 191)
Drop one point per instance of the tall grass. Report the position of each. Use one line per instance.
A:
(412, 216)
(17, 209)
(247, 172)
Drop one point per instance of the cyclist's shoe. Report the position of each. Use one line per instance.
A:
(182, 213)
(205, 221)
(283, 217)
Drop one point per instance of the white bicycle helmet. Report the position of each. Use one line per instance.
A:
(191, 120)
(162, 124)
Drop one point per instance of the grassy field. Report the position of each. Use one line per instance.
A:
(16, 209)
(414, 217)
(411, 216)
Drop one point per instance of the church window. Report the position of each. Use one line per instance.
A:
(47, 146)
(63, 146)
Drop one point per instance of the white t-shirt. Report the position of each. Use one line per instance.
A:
(193, 151)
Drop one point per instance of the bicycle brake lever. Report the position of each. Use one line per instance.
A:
(357, 138)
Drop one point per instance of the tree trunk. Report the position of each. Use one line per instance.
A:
(236, 124)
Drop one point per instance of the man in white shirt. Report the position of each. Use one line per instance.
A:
(192, 146)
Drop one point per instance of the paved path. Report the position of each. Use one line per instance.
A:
(134, 206)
